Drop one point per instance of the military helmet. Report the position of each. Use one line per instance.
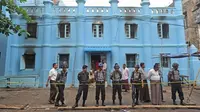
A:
(137, 66)
(175, 65)
(116, 67)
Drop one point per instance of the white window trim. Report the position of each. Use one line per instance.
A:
(65, 27)
(161, 28)
(129, 31)
(97, 30)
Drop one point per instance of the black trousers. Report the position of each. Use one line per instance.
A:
(161, 88)
(176, 87)
(135, 92)
(60, 95)
(100, 88)
(53, 90)
(117, 87)
(84, 89)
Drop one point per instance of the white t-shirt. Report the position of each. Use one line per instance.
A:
(53, 74)
(154, 75)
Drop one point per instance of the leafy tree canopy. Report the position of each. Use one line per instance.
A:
(7, 26)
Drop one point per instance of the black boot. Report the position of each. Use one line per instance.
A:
(97, 103)
(57, 103)
(181, 103)
(133, 104)
(103, 103)
(136, 103)
(113, 102)
(83, 103)
(120, 102)
(174, 102)
(75, 105)
(63, 104)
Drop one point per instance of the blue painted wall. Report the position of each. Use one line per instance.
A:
(3, 46)
(81, 43)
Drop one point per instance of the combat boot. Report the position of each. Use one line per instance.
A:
(120, 102)
(75, 105)
(113, 102)
(97, 103)
(83, 105)
(181, 103)
(174, 102)
(103, 103)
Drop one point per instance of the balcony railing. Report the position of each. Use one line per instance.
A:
(128, 11)
(62, 11)
(99, 11)
(33, 10)
(163, 11)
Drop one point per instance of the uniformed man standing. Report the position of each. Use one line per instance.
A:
(83, 78)
(61, 80)
(100, 78)
(174, 78)
(137, 82)
(116, 77)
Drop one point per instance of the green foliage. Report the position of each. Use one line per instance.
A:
(9, 27)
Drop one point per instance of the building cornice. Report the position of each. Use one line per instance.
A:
(81, 45)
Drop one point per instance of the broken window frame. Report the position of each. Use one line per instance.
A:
(32, 30)
(163, 30)
(131, 30)
(64, 30)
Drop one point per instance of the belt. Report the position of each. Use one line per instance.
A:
(100, 81)
(116, 81)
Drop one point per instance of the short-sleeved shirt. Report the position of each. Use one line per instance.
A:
(143, 74)
(174, 75)
(53, 74)
(100, 75)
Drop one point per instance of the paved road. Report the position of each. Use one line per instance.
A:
(39, 98)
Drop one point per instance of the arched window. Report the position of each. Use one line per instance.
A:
(28, 60)
(97, 29)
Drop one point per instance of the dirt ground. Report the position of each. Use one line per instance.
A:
(38, 98)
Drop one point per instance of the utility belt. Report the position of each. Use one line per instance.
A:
(101, 82)
(116, 81)
(83, 83)
(137, 83)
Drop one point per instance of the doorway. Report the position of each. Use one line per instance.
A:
(97, 58)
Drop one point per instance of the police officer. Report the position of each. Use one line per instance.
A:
(100, 78)
(136, 81)
(116, 77)
(83, 78)
(174, 78)
(61, 80)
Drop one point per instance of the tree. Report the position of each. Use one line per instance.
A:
(9, 28)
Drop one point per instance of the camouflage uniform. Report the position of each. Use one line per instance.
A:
(174, 78)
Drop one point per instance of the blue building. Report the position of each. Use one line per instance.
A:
(83, 34)
(3, 46)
